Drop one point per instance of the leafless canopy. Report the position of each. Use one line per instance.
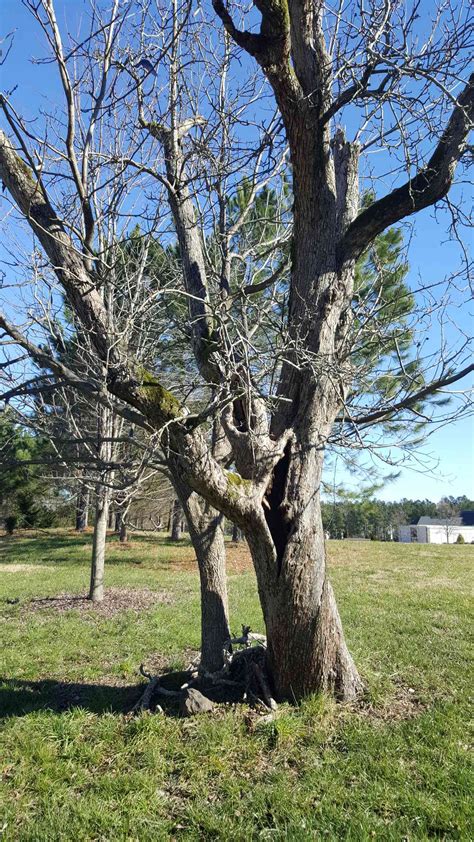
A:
(243, 142)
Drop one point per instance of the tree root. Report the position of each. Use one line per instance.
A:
(243, 679)
(144, 701)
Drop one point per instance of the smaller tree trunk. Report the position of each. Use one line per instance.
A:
(121, 524)
(176, 521)
(123, 533)
(236, 534)
(82, 509)
(96, 589)
(206, 531)
(205, 526)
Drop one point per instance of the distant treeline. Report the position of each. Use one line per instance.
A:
(379, 520)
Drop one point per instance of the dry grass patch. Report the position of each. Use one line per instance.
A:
(22, 568)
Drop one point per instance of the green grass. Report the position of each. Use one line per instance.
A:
(394, 770)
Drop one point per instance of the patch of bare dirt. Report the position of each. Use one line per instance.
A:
(115, 601)
(239, 559)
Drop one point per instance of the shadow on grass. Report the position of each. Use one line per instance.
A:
(15, 549)
(19, 697)
(66, 549)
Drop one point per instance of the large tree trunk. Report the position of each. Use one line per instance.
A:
(82, 508)
(96, 589)
(307, 652)
(176, 519)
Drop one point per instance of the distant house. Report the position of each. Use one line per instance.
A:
(432, 530)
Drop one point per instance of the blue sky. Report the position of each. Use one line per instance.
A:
(430, 256)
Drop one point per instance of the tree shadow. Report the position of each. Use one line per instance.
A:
(14, 549)
(20, 697)
(17, 548)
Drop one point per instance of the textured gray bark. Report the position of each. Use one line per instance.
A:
(306, 646)
(96, 588)
(205, 525)
(207, 535)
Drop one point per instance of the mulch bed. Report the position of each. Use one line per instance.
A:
(115, 601)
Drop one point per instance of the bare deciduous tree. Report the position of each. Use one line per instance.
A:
(273, 344)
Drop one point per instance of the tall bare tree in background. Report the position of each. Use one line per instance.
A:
(189, 147)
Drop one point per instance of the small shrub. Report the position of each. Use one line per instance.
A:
(460, 539)
(10, 523)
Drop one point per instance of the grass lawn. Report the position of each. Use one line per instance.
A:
(74, 766)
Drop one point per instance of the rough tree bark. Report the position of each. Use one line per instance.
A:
(305, 642)
(205, 526)
(207, 535)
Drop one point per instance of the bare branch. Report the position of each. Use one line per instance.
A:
(411, 400)
(430, 185)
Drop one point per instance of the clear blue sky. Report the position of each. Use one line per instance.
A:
(430, 257)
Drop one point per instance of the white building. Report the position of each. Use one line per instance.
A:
(431, 530)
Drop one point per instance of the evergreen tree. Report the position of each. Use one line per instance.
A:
(27, 496)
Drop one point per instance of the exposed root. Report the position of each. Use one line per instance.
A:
(145, 699)
(242, 679)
